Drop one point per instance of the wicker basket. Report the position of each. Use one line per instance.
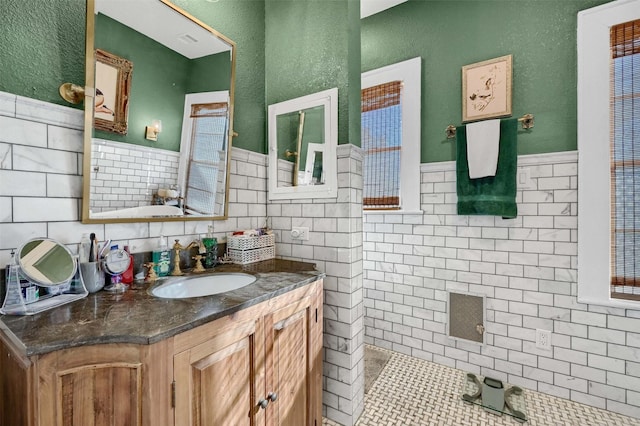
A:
(244, 242)
(249, 256)
(245, 249)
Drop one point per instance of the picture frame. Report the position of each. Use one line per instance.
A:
(113, 87)
(486, 89)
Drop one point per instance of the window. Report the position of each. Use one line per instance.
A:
(391, 137)
(205, 172)
(203, 168)
(625, 159)
(609, 154)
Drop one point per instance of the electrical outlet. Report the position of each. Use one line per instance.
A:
(543, 339)
(300, 233)
(524, 176)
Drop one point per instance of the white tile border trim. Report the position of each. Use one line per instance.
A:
(523, 160)
(7, 104)
(135, 147)
(46, 112)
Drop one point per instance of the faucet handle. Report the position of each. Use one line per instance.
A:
(198, 267)
(151, 272)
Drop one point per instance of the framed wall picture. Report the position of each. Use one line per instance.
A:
(113, 86)
(486, 89)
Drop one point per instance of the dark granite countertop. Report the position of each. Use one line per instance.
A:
(140, 318)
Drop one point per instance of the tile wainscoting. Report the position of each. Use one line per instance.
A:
(525, 267)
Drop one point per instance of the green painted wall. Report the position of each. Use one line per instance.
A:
(160, 80)
(42, 46)
(307, 51)
(209, 74)
(158, 84)
(540, 34)
(243, 22)
(354, 65)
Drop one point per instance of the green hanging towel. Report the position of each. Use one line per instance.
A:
(493, 195)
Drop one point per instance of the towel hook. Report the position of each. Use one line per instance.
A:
(527, 121)
(450, 131)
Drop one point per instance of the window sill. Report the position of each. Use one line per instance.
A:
(614, 303)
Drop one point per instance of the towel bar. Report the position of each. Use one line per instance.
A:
(526, 120)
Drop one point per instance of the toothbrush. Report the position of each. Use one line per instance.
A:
(92, 238)
(104, 249)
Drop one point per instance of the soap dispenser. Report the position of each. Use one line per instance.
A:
(161, 257)
(211, 244)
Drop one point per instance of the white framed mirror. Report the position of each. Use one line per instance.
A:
(156, 147)
(303, 137)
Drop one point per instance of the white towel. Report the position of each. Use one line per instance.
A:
(483, 145)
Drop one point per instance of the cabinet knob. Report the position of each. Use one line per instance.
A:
(272, 396)
(263, 403)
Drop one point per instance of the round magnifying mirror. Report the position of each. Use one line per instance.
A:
(117, 261)
(46, 262)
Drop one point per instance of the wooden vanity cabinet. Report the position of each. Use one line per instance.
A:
(259, 366)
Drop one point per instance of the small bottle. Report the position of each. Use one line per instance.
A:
(162, 257)
(127, 276)
(211, 244)
(84, 248)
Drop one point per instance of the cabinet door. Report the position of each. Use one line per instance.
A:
(16, 387)
(91, 386)
(294, 364)
(96, 395)
(215, 381)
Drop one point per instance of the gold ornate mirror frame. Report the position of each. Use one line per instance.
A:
(117, 88)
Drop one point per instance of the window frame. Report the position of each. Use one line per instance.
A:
(409, 72)
(594, 173)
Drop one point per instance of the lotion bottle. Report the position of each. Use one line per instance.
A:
(84, 249)
(127, 276)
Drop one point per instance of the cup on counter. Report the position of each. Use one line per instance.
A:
(92, 276)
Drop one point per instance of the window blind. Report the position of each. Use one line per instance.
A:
(625, 160)
(381, 145)
(206, 171)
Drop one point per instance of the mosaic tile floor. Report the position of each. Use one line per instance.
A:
(410, 391)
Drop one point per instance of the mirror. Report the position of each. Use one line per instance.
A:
(158, 114)
(46, 262)
(303, 135)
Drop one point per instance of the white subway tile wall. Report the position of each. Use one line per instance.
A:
(526, 267)
(126, 175)
(335, 246)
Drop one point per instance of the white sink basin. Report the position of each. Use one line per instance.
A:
(206, 285)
